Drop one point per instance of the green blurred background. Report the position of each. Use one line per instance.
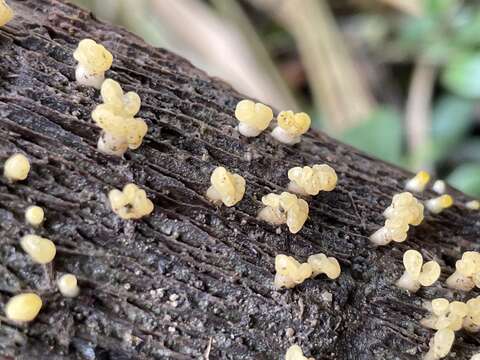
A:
(399, 79)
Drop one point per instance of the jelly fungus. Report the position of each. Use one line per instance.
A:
(438, 204)
(471, 323)
(130, 203)
(405, 210)
(253, 117)
(41, 250)
(446, 315)
(6, 13)
(439, 187)
(473, 205)
(226, 187)
(417, 273)
(34, 215)
(475, 357)
(312, 180)
(321, 264)
(285, 208)
(23, 307)
(440, 344)
(121, 130)
(294, 352)
(16, 167)
(290, 272)
(67, 284)
(291, 126)
(93, 60)
(418, 182)
(467, 271)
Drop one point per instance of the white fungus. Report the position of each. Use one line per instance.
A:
(440, 344)
(226, 187)
(321, 264)
(290, 272)
(130, 203)
(295, 352)
(34, 215)
(6, 13)
(67, 285)
(438, 204)
(16, 167)
(446, 315)
(93, 60)
(418, 182)
(439, 187)
(23, 307)
(253, 117)
(41, 250)
(417, 274)
(467, 272)
(291, 126)
(473, 205)
(311, 180)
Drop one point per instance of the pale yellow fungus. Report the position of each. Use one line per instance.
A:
(226, 187)
(121, 130)
(471, 322)
(41, 250)
(418, 182)
(291, 126)
(405, 210)
(295, 352)
(253, 117)
(473, 205)
(23, 307)
(312, 180)
(437, 205)
(285, 208)
(130, 203)
(16, 167)
(446, 315)
(475, 357)
(93, 60)
(6, 13)
(321, 264)
(440, 344)
(466, 273)
(34, 215)
(290, 272)
(67, 284)
(439, 187)
(417, 274)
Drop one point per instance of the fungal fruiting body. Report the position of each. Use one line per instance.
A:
(471, 322)
(23, 307)
(405, 210)
(467, 272)
(130, 203)
(312, 180)
(67, 284)
(41, 250)
(290, 272)
(473, 205)
(291, 126)
(16, 167)
(321, 264)
(295, 352)
(418, 182)
(121, 130)
(440, 344)
(226, 187)
(438, 204)
(475, 357)
(253, 117)
(417, 273)
(34, 215)
(285, 208)
(6, 13)
(439, 187)
(93, 60)
(446, 315)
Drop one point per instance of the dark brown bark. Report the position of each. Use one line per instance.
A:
(191, 273)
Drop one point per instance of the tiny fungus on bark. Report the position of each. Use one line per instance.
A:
(40, 249)
(121, 130)
(440, 344)
(471, 323)
(475, 357)
(467, 272)
(67, 285)
(130, 203)
(93, 60)
(23, 307)
(321, 264)
(290, 272)
(439, 187)
(6, 13)
(285, 208)
(226, 187)
(311, 180)
(34, 215)
(16, 167)
(446, 315)
(418, 182)
(253, 117)
(295, 352)
(417, 274)
(473, 205)
(291, 126)
(438, 204)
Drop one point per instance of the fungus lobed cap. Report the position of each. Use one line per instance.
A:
(6, 13)
(23, 307)
(231, 187)
(256, 115)
(94, 57)
(294, 123)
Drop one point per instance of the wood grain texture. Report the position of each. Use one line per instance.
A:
(191, 273)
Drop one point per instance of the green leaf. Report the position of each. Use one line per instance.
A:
(466, 178)
(380, 135)
(438, 7)
(462, 75)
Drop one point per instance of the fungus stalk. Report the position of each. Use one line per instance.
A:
(93, 60)
(312, 180)
(471, 323)
(446, 315)
(438, 204)
(121, 130)
(467, 272)
(321, 264)
(6, 13)
(290, 272)
(440, 344)
(34, 215)
(285, 208)
(418, 182)
(67, 284)
(416, 273)
(23, 307)
(41, 250)
(226, 187)
(439, 187)
(16, 168)
(130, 203)
(253, 117)
(290, 127)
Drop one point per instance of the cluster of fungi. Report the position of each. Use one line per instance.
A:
(121, 131)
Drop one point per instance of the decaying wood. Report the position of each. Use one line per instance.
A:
(191, 279)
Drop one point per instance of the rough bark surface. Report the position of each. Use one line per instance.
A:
(192, 280)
